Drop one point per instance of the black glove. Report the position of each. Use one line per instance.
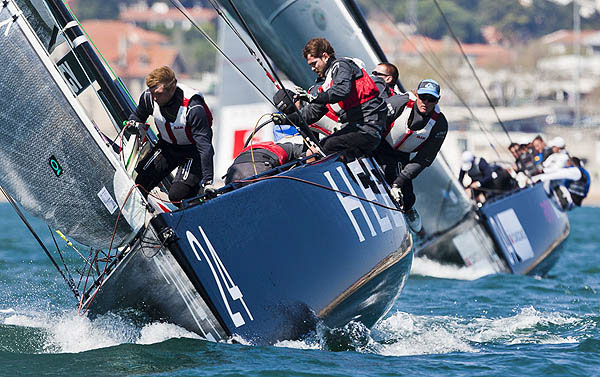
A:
(278, 118)
(209, 189)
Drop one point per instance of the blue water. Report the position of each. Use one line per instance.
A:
(453, 324)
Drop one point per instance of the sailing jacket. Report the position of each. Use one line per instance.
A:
(384, 89)
(183, 123)
(579, 188)
(480, 171)
(280, 152)
(409, 120)
(348, 92)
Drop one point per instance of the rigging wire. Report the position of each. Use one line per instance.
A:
(444, 77)
(305, 133)
(296, 179)
(472, 68)
(12, 202)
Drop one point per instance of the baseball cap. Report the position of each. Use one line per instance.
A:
(429, 86)
(467, 160)
(558, 142)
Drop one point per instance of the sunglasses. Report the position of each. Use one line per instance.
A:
(375, 73)
(428, 98)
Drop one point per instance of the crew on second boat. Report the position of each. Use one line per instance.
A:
(185, 136)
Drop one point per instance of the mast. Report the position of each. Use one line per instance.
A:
(359, 18)
(119, 105)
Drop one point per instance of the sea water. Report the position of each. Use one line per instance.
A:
(448, 321)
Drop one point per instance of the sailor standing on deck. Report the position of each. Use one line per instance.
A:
(415, 124)
(346, 91)
(185, 136)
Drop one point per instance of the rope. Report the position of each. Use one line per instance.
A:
(444, 77)
(37, 238)
(307, 134)
(472, 68)
(316, 185)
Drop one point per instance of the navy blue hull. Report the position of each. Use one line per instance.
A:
(520, 233)
(272, 258)
(528, 228)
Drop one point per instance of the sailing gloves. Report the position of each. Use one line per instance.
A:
(303, 95)
(396, 190)
(278, 118)
(396, 194)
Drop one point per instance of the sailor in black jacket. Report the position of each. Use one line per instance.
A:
(347, 93)
(416, 125)
(185, 136)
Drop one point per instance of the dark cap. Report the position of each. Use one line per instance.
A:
(429, 86)
(284, 102)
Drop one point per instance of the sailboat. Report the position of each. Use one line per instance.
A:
(520, 232)
(307, 243)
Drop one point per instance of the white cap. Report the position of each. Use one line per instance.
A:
(467, 160)
(558, 142)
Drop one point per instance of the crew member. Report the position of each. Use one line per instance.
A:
(263, 156)
(415, 124)
(385, 76)
(541, 149)
(575, 178)
(346, 90)
(486, 180)
(185, 135)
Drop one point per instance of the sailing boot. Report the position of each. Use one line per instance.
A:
(414, 221)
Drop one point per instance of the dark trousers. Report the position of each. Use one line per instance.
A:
(161, 161)
(353, 142)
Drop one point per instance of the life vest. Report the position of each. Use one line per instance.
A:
(179, 132)
(581, 187)
(328, 124)
(401, 137)
(363, 89)
(272, 147)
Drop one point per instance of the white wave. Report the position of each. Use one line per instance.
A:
(298, 344)
(69, 332)
(159, 332)
(404, 334)
(427, 267)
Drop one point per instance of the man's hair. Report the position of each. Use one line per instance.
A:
(539, 138)
(161, 76)
(512, 145)
(316, 47)
(575, 161)
(391, 70)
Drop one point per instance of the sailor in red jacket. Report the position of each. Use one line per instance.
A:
(346, 91)
(262, 156)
